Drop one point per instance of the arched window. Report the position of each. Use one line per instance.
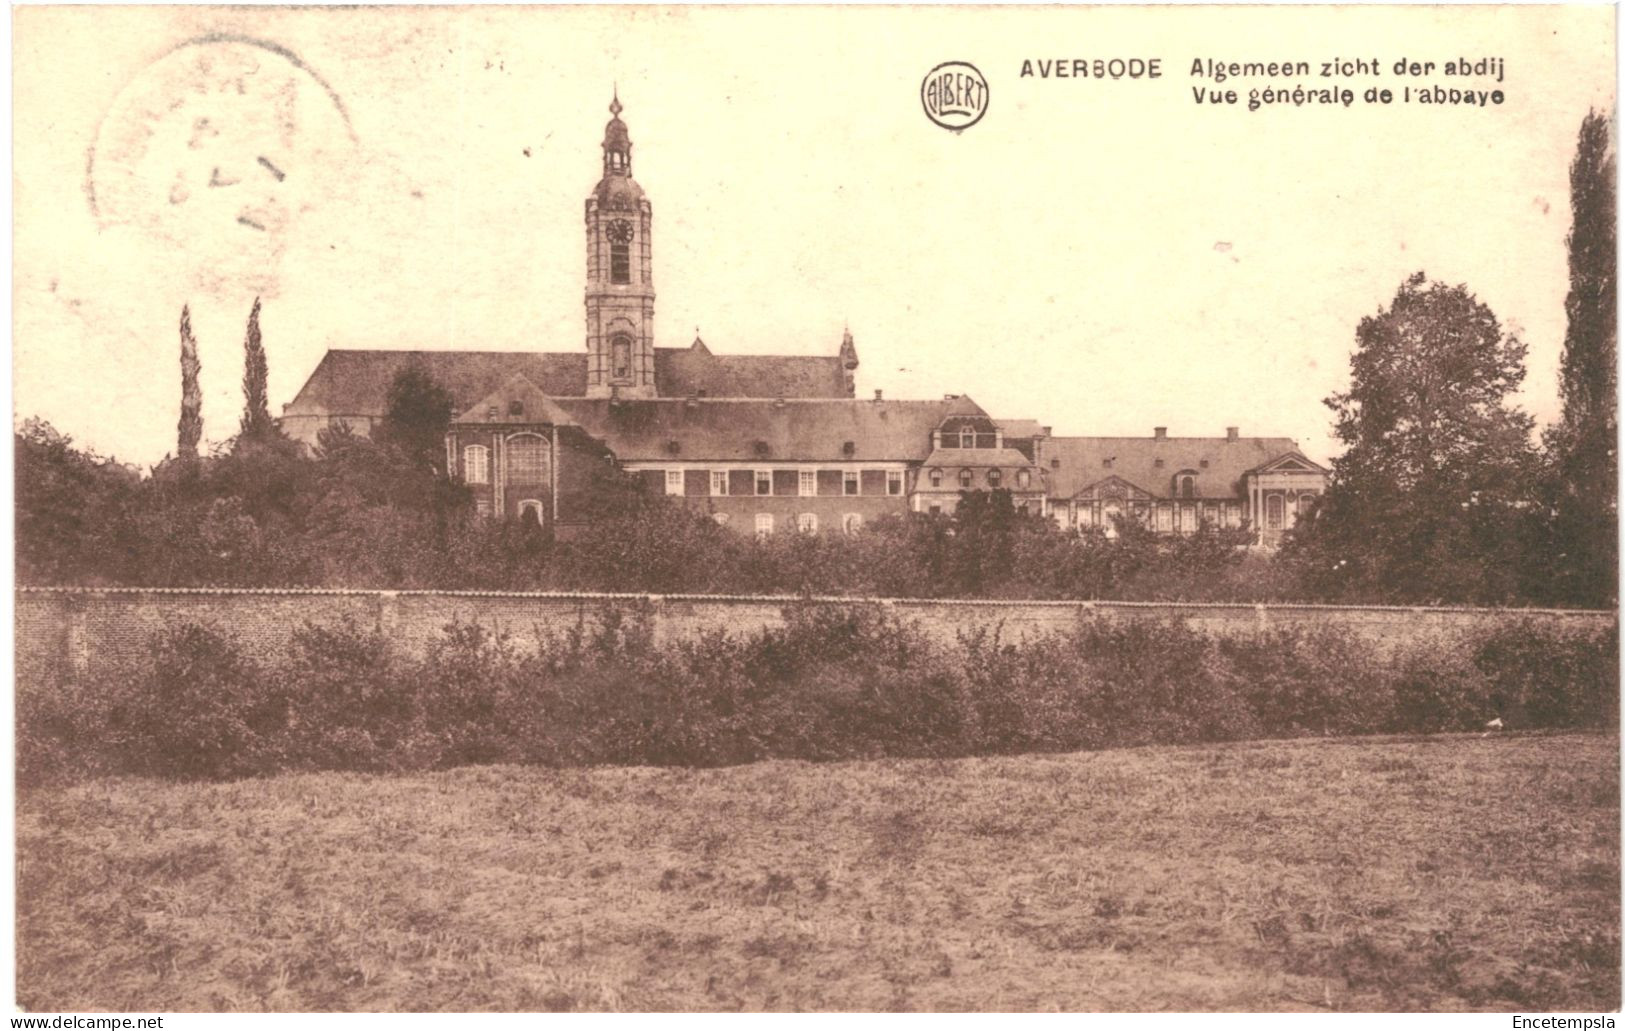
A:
(1024, 479)
(994, 478)
(966, 478)
(527, 459)
(1187, 486)
(1274, 511)
(530, 512)
(620, 254)
(1306, 504)
(476, 464)
(851, 522)
(620, 357)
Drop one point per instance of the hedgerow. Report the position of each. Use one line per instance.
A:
(834, 682)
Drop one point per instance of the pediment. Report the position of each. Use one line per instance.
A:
(1291, 462)
(1112, 488)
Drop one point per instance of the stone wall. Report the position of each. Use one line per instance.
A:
(69, 631)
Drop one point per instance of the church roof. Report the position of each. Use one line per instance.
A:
(691, 372)
(1134, 459)
(356, 382)
(765, 431)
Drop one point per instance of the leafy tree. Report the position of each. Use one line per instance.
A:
(1431, 500)
(1583, 472)
(416, 417)
(190, 429)
(256, 424)
(984, 541)
(72, 510)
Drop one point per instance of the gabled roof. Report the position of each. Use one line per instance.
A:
(1083, 462)
(357, 382)
(794, 431)
(496, 408)
(694, 371)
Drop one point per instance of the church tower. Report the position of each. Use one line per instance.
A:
(620, 289)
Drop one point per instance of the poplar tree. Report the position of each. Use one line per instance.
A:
(256, 422)
(190, 429)
(1583, 469)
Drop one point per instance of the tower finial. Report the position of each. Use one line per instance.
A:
(615, 101)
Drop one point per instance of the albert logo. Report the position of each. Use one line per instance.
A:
(954, 95)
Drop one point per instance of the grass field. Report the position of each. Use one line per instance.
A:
(1354, 874)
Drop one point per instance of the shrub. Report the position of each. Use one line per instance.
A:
(1539, 677)
(200, 709)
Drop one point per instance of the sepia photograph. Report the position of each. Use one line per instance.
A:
(815, 509)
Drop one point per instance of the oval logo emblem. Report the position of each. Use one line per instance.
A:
(954, 95)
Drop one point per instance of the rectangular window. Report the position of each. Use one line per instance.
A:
(764, 483)
(674, 481)
(894, 482)
(1165, 518)
(620, 263)
(764, 523)
(719, 483)
(482, 506)
(807, 522)
(849, 482)
(808, 483)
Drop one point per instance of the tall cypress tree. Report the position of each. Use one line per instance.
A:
(1584, 470)
(190, 429)
(256, 423)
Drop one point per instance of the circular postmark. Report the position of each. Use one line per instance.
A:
(954, 95)
(215, 149)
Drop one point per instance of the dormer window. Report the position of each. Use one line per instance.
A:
(994, 478)
(516, 408)
(936, 477)
(967, 438)
(966, 478)
(1024, 479)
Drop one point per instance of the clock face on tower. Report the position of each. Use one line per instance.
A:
(619, 231)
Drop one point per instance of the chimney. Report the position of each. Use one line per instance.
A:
(1161, 432)
(1232, 434)
(878, 396)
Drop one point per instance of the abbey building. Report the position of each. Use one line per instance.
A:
(774, 442)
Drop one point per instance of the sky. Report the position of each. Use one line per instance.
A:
(1103, 256)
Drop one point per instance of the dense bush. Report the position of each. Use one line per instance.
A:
(834, 682)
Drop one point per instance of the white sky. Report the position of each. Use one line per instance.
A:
(1101, 256)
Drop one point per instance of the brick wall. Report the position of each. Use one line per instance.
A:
(63, 631)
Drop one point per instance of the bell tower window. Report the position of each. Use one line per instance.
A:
(620, 251)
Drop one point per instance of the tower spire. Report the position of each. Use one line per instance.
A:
(617, 141)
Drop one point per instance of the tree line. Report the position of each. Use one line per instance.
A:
(1442, 494)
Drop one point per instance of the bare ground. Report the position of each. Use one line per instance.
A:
(1429, 873)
